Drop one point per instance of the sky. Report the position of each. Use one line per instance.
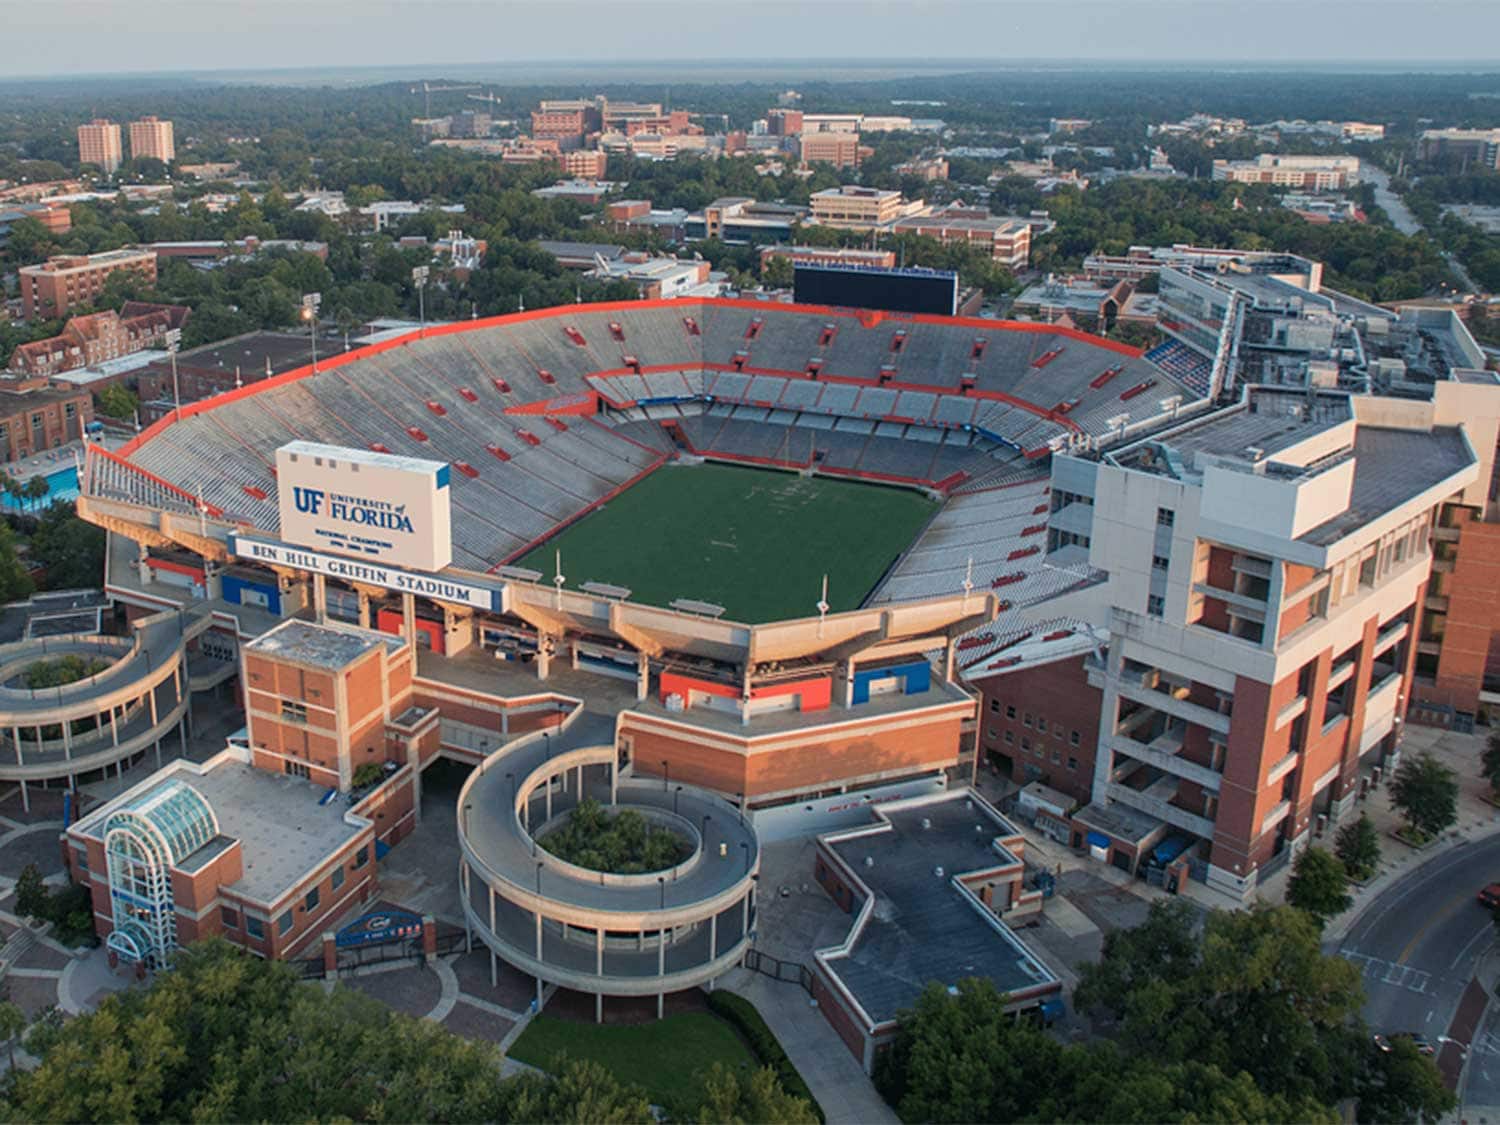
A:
(61, 37)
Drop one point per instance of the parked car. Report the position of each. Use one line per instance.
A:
(1419, 1041)
(1490, 896)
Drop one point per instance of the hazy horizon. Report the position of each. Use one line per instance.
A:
(729, 38)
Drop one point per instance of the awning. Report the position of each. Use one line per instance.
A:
(1098, 840)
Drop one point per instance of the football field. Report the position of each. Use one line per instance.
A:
(755, 541)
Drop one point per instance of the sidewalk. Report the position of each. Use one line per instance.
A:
(1477, 819)
(832, 1074)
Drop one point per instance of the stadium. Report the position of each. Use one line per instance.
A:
(718, 560)
(546, 417)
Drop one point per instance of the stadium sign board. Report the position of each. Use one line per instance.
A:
(373, 506)
(435, 586)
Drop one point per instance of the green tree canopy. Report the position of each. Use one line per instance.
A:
(1319, 885)
(1426, 792)
(1358, 846)
(229, 1037)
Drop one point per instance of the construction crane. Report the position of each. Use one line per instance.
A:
(493, 99)
(428, 89)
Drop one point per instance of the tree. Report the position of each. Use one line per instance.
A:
(229, 1037)
(15, 583)
(760, 1099)
(36, 488)
(1254, 993)
(1358, 846)
(72, 549)
(1319, 885)
(31, 892)
(1489, 762)
(12, 1023)
(117, 401)
(1426, 792)
(965, 1058)
(1401, 1085)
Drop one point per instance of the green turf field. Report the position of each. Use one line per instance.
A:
(755, 541)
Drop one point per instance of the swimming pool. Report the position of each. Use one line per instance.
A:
(62, 484)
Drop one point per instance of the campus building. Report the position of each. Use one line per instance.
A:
(1006, 240)
(98, 338)
(1305, 173)
(152, 138)
(99, 144)
(859, 208)
(58, 285)
(1476, 147)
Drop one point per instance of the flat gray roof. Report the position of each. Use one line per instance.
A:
(922, 928)
(322, 646)
(1390, 468)
(283, 832)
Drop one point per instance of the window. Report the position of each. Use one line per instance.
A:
(1158, 562)
(994, 707)
(361, 857)
(284, 923)
(1156, 605)
(296, 712)
(338, 877)
(313, 898)
(1056, 758)
(1010, 711)
(1041, 723)
(990, 734)
(295, 769)
(1072, 763)
(1010, 738)
(1073, 738)
(1026, 719)
(1165, 517)
(230, 918)
(254, 926)
(1025, 745)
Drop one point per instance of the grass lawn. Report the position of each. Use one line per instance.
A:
(662, 1056)
(755, 541)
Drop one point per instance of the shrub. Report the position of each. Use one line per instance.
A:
(70, 910)
(368, 774)
(749, 1023)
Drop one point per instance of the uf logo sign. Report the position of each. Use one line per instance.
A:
(308, 500)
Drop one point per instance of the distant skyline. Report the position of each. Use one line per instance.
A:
(143, 36)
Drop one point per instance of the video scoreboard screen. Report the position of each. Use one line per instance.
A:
(871, 287)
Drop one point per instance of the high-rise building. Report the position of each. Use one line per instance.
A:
(99, 144)
(150, 137)
(839, 149)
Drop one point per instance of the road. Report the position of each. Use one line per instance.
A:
(1391, 203)
(1419, 943)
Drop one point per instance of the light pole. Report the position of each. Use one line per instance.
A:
(419, 279)
(676, 793)
(661, 881)
(174, 340)
(539, 866)
(666, 775)
(467, 806)
(744, 847)
(310, 303)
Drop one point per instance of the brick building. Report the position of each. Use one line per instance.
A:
(842, 150)
(89, 340)
(35, 416)
(249, 845)
(61, 284)
(99, 144)
(1006, 240)
(152, 138)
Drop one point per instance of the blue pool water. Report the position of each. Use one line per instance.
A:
(62, 484)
